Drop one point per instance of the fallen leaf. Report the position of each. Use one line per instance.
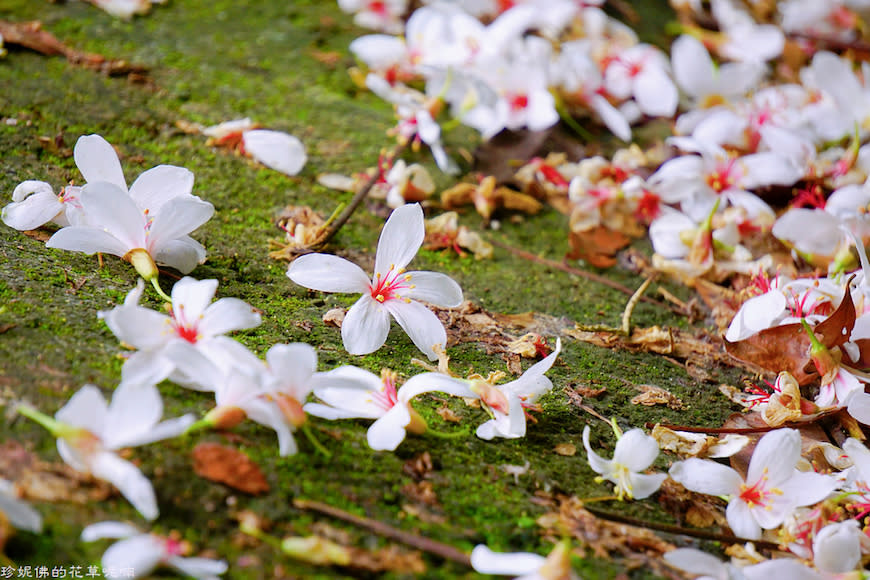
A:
(653, 395)
(597, 246)
(421, 492)
(334, 317)
(566, 449)
(448, 415)
(230, 467)
(418, 467)
(591, 392)
(387, 559)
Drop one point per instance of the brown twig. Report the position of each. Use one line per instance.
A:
(679, 530)
(358, 198)
(736, 430)
(576, 271)
(427, 545)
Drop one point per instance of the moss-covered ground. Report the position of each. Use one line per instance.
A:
(219, 60)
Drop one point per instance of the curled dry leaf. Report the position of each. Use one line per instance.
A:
(565, 449)
(787, 347)
(444, 232)
(389, 559)
(302, 226)
(487, 198)
(230, 467)
(688, 444)
(652, 395)
(597, 246)
(334, 317)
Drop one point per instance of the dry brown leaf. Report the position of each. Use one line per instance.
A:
(638, 547)
(334, 317)
(596, 246)
(591, 392)
(694, 508)
(448, 415)
(230, 467)
(653, 395)
(389, 559)
(487, 197)
(419, 467)
(421, 492)
(566, 449)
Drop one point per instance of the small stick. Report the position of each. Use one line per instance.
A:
(712, 430)
(427, 545)
(358, 198)
(632, 302)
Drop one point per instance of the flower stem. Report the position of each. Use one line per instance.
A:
(199, 425)
(156, 283)
(445, 435)
(573, 124)
(54, 427)
(317, 444)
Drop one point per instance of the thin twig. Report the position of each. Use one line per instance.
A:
(358, 198)
(736, 430)
(427, 545)
(583, 273)
(632, 302)
(680, 530)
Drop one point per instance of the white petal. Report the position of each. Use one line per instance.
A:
(191, 297)
(111, 209)
(178, 217)
(697, 562)
(644, 485)
(110, 529)
(141, 553)
(97, 161)
(428, 382)
(204, 568)
(434, 288)
(421, 324)
(292, 366)
(365, 326)
(129, 480)
(146, 368)
(275, 149)
(806, 488)
(86, 408)
(692, 65)
(387, 432)
(485, 561)
(741, 521)
(328, 273)
(655, 93)
(227, 315)
(87, 240)
(142, 328)
(775, 457)
(780, 568)
(636, 450)
(159, 184)
(400, 239)
(183, 254)
(706, 477)
(19, 513)
(598, 464)
(134, 410)
(39, 207)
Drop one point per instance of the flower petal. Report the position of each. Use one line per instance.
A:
(227, 315)
(328, 273)
(598, 464)
(112, 210)
(129, 480)
(176, 218)
(19, 513)
(485, 561)
(110, 529)
(275, 149)
(38, 207)
(636, 450)
(697, 562)
(388, 431)
(644, 485)
(205, 568)
(706, 477)
(159, 184)
(134, 410)
(87, 240)
(97, 161)
(141, 553)
(292, 366)
(775, 457)
(434, 288)
(365, 326)
(421, 324)
(183, 254)
(741, 520)
(86, 408)
(400, 239)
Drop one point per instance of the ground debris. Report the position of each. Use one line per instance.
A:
(597, 246)
(32, 36)
(389, 559)
(230, 467)
(635, 546)
(652, 395)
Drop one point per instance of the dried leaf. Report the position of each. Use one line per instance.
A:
(334, 317)
(230, 467)
(487, 198)
(596, 246)
(448, 415)
(591, 392)
(419, 467)
(421, 492)
(653, 395)
(389, 559)
(566, 449)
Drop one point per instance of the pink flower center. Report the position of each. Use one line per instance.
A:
(758, 493)
(66, 196)
(648, 206)
(551, 174)
(812, 197)
(174, 547)
(379, 8)
(387, 287)
(518, 102)
(724, 176)
(183, 328)
(386, 398)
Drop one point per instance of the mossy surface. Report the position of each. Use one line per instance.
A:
(224, 59)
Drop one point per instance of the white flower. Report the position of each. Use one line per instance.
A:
(773, 487)
(350, 392)
(90, 433)
(125, 9)
(525, 565)
(34, 203)
(16, 511)
(391, 290)
(193, 318)
(143, 553)
(635, 452)
(116, 224)
(507, 403)
(701, 565)
(837, 547)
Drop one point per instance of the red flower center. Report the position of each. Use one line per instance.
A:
(387, 287)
